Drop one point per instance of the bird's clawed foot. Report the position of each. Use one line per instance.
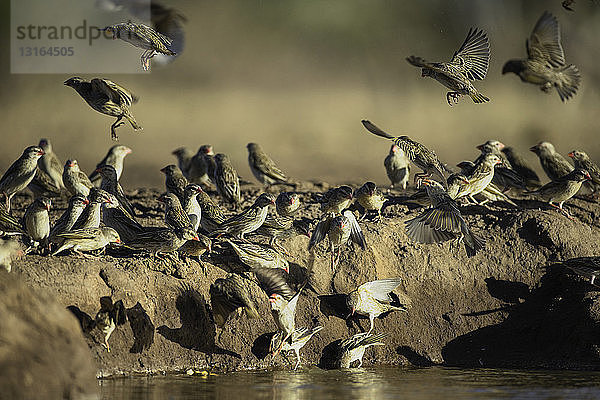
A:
(452, 98)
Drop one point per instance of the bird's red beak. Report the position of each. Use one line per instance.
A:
(571, 154)
(128, 151)
(479, 147)
(501, 145)
(70, 164)
(86, 202)
(118, 241)
(498, 162)
(196, 238)
(47, 207)
(353, 310)
(41, 153)
(588, 177)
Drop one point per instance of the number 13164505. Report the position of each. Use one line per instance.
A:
(43, 51)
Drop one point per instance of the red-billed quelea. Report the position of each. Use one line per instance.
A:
(301, 337)
(263, 167)
(373, 299)
(583, 161)
(87, 239)
(107, 98)
(175, 182)
(397, 167)
(249, 220)
(420, 155)
(545, 63)
(370, 198)
(469, 63)
(336, 200)
(37, 221)
(258, 256)
(50, 163)
(92, 214)
(226, 180)
(75, 180)
(20, 173)
(562, 189)
(66, 221)
(115, 158)
(230, 295)
(353, 348)
(554, 165)
(109, 317)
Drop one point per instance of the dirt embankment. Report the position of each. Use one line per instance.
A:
(512, 305)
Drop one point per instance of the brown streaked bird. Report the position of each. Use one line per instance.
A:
(370, 198)
(494, 147)
(301, 337)
(277, 227)
(212, 215)
(353, 348)
(545, 63)
(115, 157)
(184, 156)
(481, 176)
(230, 295)
(263, 167)
(144, 37)
(20, 173)
(583, 161)
(196, 248)
(190, 204)
(50, 163)
(119, 219)
(336, 200)
(42, 185)
(373, 299)
(75, 180)
(109, 317)
(587, 267)
(504, 176)
(87, 239)
(226, 180)
(287, 204)
(175, 182)
(469, 63)
(520, 166)
(340, 230)
(420, 155)
(397, 167)
(37, 221)
(442, 222)
(553, 163)
(562, 189)
(258, 256)
(162, 240)
(175, 217)
(111, 185)
(107, 98)
(249, 220)
(92, 214)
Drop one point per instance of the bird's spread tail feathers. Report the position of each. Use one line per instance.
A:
(568, 83)
(473, 244)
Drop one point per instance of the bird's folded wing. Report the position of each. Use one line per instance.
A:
(268, 167)
(79, 234)
(115, 93)
(544, 43)
(381, 289)
(474, 55)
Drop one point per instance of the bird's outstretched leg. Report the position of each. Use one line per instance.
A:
(452, 97)
(105, 344)
(299, 361)
(113, 128)
(562, 210)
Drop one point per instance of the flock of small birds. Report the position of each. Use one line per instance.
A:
(100, 215)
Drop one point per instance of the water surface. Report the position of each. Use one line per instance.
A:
(381, 383)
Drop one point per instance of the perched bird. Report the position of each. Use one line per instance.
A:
(115, 157)
(229, 295)
(92, 214)
(226, 180)
(277, 227)
(37, 221)
(353, 348)
(50, 164)
(504, 176)
(107, 98)
(175, 182)
(9, 250)
(20, 173)
(554, 165)
(184, 157)
(481, 176)
(420, 155)
(75, 180)
(301, 337)
(175, 217)
(520, 166)
(494, 147)
(582, 161)
(370, 198)
(587, 267)
(336, 200)
(42, 185)
(340, 230)
(287, 204)
(109, 317)
(87, 239)
(196, 248)
(442, 222)
(198, 171)
(373, 299)
(120, 220)
(562, 189)
(212, 215)
(144, 37)
(162, 240)
(397, 167)
(263, 167)
(191, 206)
(545, 64)
(249, 220)
(469, 63)
(111, 185)
(258, 256)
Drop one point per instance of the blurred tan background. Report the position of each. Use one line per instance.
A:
(297, 76)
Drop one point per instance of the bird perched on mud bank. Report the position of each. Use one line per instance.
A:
(554, 165)
(20, 173)
(545, 63)
(75, 180)
(226, 180)
(175, 182)
(50, 164)
(583, 161)
(469, 63)
(109, 317)
(562, 189)
(420, 155)
(336, 200)
(229, 295)
(107, 98)
(263, 167)
(370, 198)
(87, 239)
(249, 220)
(37, 221)
(115, 157)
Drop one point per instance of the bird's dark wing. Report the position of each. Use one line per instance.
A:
(544, 43)
(226, 296)
(115, 93)
(119, 313)
(87, 323)
(319, 232)
(142, 328)
(473, 57)
(371, 127)
(356, 234)
(273, 280)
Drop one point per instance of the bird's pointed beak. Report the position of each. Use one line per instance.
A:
(128, 151)
(571, 154)
(196, 238)
(86, 202)
(41, 153)
(501, 145)
(479, 147)
(118, 241)
(533, 148)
